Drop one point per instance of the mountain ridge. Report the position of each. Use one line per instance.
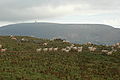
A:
(76, 33)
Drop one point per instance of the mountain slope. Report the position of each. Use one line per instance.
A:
(22, 62)
(77, 33)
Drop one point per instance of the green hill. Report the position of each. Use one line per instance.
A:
(76, 33)
(22, 62)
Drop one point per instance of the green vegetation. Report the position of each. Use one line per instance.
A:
(32, 65)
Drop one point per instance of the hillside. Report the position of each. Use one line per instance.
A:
(76, 33)
(21, 61)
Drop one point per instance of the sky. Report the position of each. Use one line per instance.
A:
(60, 11)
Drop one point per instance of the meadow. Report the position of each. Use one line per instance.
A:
(22, 62)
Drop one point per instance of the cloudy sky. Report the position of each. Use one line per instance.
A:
(60, 11)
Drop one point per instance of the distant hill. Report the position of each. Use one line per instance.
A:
(76, 33)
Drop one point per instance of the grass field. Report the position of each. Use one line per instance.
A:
(22, 62)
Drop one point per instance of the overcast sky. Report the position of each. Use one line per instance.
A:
(60, 11)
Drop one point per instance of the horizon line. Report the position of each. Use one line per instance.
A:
(64, 23)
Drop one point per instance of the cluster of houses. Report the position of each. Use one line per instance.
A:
(70, 48)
